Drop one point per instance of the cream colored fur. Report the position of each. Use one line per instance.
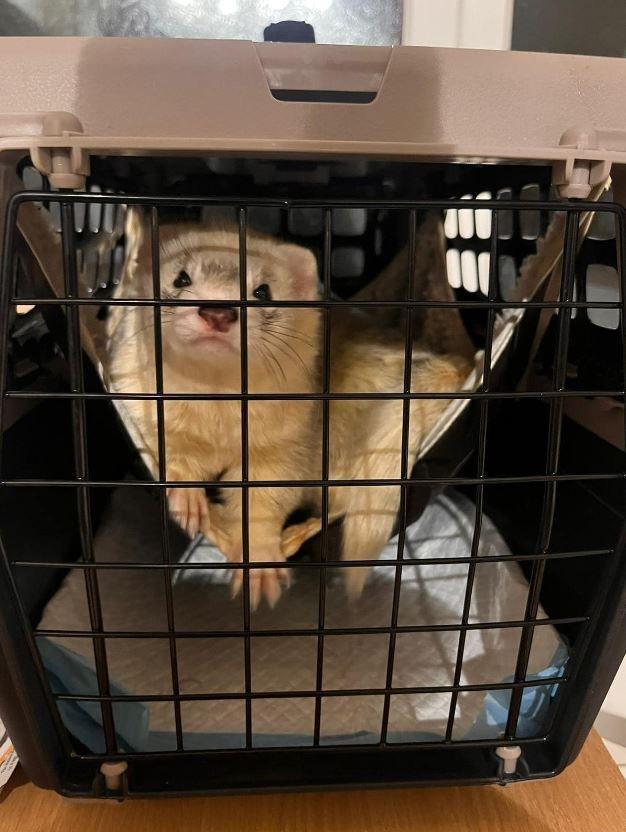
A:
(366, 435)
(203, 439)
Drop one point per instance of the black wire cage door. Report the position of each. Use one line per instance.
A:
(558, 500)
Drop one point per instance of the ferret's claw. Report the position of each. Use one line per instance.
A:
(189, 508)
(255, 589)
(236, 582)
(263, 583)
(271, 586)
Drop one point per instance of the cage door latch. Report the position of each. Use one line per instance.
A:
(510, 756)
(113, 773)
(65, 165)
(575, 177)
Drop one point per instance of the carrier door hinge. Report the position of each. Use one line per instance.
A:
(65, 167)
(575, 178)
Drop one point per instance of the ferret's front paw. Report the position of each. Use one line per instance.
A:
(265, 583)
(189, 508)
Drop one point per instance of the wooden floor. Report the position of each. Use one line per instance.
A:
(589, 797)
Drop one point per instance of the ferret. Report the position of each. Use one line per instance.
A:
(201, 354)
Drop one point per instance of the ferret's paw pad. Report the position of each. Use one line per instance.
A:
(189, 508)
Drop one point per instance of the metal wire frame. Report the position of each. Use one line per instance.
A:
(156, 200)
(335, 631)
(308, 694)
(326, 336)
(336, 564)
(369, 483)
(251, 397)
(481, 458)
(165, 542)
(552, 464)
(321, 304)
(550, 479)
(404, 472)
(245, 505)
(79, 432)
(314, 749)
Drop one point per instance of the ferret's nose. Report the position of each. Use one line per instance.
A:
(219, 318)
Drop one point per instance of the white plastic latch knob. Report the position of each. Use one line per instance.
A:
(509, 754)
(113, 775)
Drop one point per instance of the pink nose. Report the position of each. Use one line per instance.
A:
(219, 318)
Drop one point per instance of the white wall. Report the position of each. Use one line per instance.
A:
(477, 24)
(611, 721)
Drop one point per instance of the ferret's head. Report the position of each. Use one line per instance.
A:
(200, 263)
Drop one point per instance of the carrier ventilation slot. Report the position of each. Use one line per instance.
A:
(466, 229)
(603, 287)
(325, 96)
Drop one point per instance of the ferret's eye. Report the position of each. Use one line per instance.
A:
(263, 292)
(182, 280)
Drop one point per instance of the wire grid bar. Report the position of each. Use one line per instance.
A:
(481, 458)
(79, 435)
(335, 631)
(404, 472)
(452, 396)
(319, 304)
(336, 564)
(312, 750)
(555, 397)
(286, 203)
(245, 501)
(568, 274)
(321, 612)
(331, 693)
(165, 540)
(512, 480)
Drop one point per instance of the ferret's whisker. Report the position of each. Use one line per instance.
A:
(275, 346)
(289, 333)
(291, 351)
(275, 355)
(269, 355)
(149, 325)
(283, 340)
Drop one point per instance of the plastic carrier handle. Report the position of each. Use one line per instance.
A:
(318, 68)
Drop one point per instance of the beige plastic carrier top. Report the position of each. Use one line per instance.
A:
(63, 99)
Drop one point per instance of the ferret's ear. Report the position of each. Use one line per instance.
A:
(136, 234)
(302, 266)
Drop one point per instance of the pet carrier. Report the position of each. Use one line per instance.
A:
(492, 622)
